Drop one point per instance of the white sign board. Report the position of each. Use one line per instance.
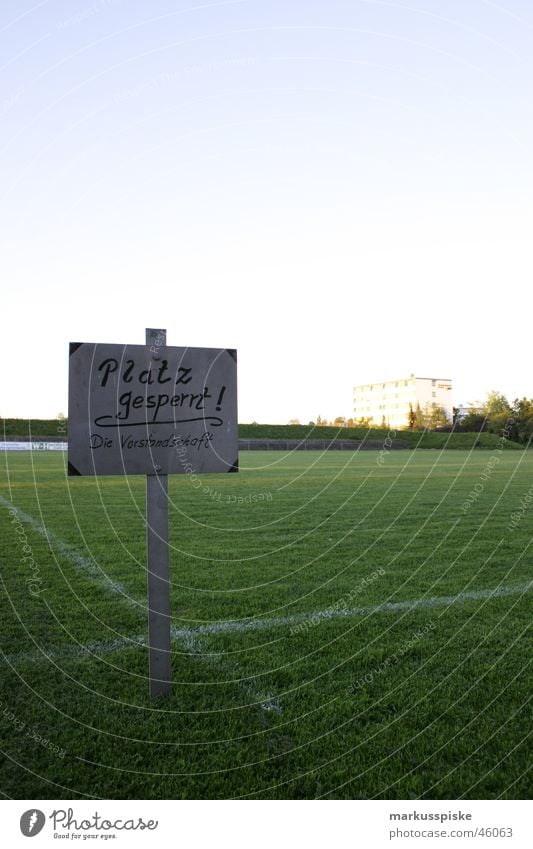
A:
(151, 409)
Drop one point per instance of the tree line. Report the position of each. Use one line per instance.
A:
(495, 415)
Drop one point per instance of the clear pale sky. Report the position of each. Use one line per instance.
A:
(341, 190)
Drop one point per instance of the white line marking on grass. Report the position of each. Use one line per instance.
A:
(318, 616)
(96, 648)
(267, 702)
(189, 636)
(85, 565)
(188, 639)
(100, 648)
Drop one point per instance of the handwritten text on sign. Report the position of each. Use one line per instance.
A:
(131, 412)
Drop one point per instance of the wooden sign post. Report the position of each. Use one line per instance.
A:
(153, 410)
(159, 661)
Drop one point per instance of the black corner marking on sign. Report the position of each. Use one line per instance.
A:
(232, 352)
(235, 467)
(73, 347)
(72, 470)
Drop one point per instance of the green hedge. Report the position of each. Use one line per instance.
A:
(51, 428)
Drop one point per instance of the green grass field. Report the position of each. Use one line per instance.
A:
(344, 626)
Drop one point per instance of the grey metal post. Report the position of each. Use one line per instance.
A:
(158, 571)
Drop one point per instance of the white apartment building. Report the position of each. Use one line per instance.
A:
(389, 403)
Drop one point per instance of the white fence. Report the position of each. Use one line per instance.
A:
(33, 446)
